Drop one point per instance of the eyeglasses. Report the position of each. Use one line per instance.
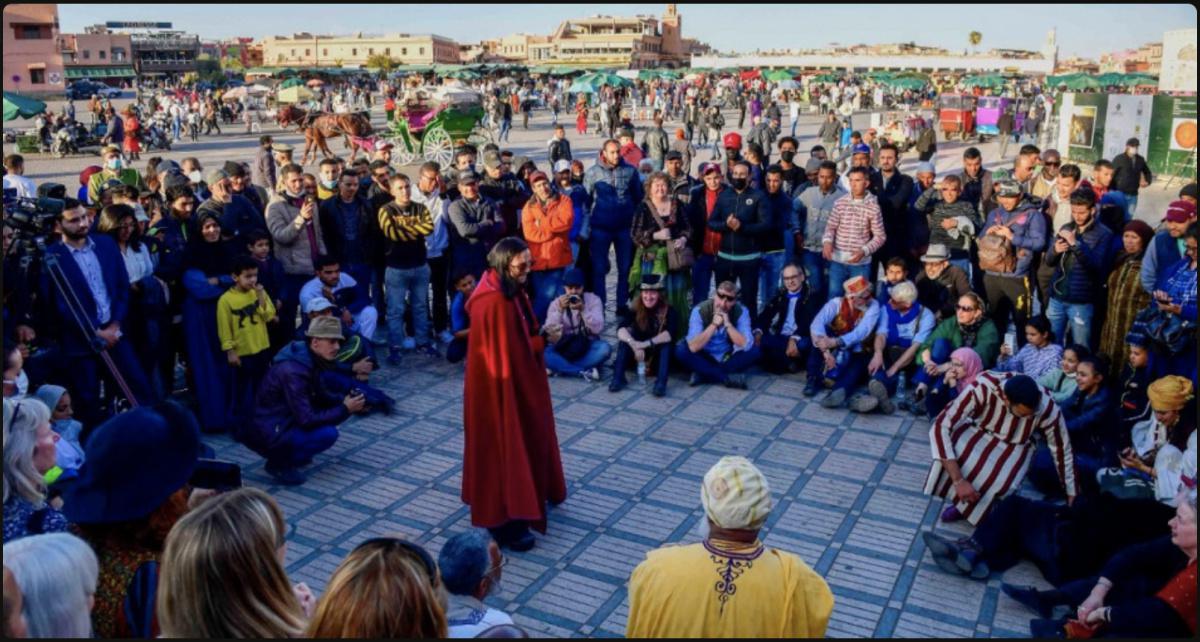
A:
(966, 308)
(503, 562)
(1052, 163)
(791, 278)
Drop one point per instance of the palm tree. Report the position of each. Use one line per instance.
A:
(974, 38)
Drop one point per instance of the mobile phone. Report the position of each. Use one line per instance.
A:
(217, 475)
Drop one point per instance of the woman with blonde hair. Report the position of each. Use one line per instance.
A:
(29, 452)
(222, 572)
(385, 588)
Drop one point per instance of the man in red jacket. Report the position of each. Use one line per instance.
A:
(511, 462)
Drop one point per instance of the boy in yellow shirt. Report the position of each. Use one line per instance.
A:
(242, 316)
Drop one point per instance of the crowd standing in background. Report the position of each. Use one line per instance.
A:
(1047, 335)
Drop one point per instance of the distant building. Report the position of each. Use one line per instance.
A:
(1145, 59)
(104, 57)
(33, 49)
(309, 50)
(634, 42)
(1075, 64)
(897, 57)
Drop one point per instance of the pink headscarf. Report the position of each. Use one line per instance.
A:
(972, 366)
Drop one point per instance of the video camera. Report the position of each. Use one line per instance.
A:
(34, 216)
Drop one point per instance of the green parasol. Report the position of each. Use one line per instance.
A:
(987, 81)
(294, 81)
(775, 75)
(904, 83)
(16, 105)
(579, 87)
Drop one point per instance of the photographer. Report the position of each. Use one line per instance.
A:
(289, 428)
(298, 238)
(573, 326)
(90, 314)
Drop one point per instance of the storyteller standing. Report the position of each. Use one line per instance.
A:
(511, 462)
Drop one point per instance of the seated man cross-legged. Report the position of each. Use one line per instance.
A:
(838, 332)
(903, 326)
(718, 348)
(783, 322)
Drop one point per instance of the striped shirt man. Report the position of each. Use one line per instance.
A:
(855, 224)
(993, 446)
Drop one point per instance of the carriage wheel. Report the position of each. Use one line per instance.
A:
(438, 147)
(400, 153)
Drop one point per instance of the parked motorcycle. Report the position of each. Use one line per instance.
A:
(64, 143)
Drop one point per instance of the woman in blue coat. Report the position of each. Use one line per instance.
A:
(206, 277)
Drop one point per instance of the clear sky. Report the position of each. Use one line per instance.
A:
(1086, 29)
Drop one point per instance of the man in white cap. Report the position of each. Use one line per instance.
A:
(730, 585)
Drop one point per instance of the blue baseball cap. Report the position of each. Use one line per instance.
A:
(861, 148)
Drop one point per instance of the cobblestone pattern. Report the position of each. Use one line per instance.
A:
(847, 493)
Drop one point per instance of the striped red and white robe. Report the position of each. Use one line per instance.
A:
(992, 446)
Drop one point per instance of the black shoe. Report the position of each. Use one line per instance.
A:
(286, 476)
(737, 381)
(1029, 596)
(660, 389)
(694, 380)
(1046, 628)
(810, 390)
(616, 385)
(514, 535)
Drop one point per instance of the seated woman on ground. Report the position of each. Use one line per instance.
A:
(1038, 356)
(965, 365)
(1061, 381)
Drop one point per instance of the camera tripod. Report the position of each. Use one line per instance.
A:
(35, 249)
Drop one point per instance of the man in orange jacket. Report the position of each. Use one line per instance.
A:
(546, 224)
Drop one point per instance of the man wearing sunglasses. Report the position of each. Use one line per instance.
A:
(719, 347)
(1043, 185)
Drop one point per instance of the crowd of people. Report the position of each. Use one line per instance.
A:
(1020, 309)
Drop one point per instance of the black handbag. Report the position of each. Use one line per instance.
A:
(1167, 333)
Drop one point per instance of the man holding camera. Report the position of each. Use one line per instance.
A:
(97, 287)
(292, 422)
(574, 322)
(298, 239)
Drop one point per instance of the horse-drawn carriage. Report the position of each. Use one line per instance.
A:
(956, 112)
(431, 122)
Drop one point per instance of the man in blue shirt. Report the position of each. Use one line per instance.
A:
(719, 346)
(99, 288)
(903, 326)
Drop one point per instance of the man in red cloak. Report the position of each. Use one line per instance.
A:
(511, 462)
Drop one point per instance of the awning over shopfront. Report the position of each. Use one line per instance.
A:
(106, 71)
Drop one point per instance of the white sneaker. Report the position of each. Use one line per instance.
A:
(591, 375)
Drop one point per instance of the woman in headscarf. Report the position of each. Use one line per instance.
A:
(206, 277)
(965, 365)
(1125, 294)
(69, 455)
(1150, 466)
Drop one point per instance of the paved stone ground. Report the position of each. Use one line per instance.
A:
(846, 490)
(846, 487)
